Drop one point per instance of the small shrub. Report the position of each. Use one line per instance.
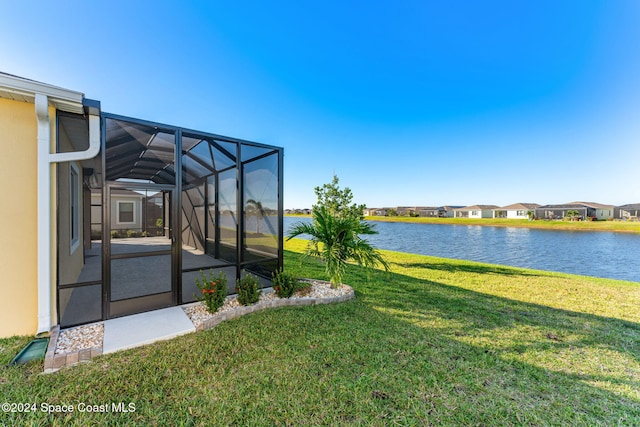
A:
(132, 233)
(213, 290)
(247, 289)
(284, 284)
(115, 234)
(144, 234)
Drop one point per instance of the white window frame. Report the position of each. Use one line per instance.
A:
(74, 208)
(118, 203)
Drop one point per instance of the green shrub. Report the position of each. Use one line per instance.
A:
(115, 234)
(247, 289)
(213, 290)
(284, 284)
(132, 233)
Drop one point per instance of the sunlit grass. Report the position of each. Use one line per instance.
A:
(433, 342)
(624, 226)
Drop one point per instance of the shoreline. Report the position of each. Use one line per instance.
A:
(607, 226)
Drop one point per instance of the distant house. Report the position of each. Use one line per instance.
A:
(475, 211)
(628, 212)
(602, 212)
(375, 212)
(406, 210)
(515, 211)
(430, 211)
(448, 211)
(585, 210)
(560, 211)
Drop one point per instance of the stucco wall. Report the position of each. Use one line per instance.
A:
(514, 214)
(18, 219)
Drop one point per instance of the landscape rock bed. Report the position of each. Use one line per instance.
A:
(81, 343)
(320, 292)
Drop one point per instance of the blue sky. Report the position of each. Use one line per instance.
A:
(409, 103)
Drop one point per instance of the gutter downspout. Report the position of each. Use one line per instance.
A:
(45, 159)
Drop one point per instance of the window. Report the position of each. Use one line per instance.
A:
(125, 212)
(521, 213)
(74, 208)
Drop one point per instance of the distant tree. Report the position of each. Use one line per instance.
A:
(337, 201)
(392, 212)
(531, 215)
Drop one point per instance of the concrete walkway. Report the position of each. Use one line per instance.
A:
(145, 328)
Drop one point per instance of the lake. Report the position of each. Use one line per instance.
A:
(598, 254)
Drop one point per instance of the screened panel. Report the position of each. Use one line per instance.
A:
(139, 151)
(190, 290)
(80, 305)
(193, 218)
(261, 188)
(262, 270)
(197, 161)
(211, 217)
(140, 276)
(228, 214)
(138, 217)
(229, 148)
(251, 152)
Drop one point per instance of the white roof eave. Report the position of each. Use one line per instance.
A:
(20, 89)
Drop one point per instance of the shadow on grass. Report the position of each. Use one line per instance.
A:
(474, 269)
(589, 355)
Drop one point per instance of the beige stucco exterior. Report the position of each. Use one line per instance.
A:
(18, 219)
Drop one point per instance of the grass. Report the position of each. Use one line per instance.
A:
(433, 342)
(617, 226)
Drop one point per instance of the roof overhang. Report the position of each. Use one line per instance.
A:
(21, 89)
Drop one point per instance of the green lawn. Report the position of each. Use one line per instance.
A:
(618, 226)
(433, 342)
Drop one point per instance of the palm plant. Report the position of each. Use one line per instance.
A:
(256, 208)
(337, 241)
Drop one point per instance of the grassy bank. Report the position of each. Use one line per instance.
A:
(433, 342)
(618, 226)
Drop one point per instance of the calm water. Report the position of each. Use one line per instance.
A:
(599, 254)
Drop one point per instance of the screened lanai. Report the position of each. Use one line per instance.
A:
(160, 205)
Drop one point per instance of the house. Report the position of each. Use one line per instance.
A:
(515, 211)
(117, 215)
(628, 212)
(406, 211)
(448, 211)
(582, 210)
(375, 212)
(556, 212)
(430, 211)
(475, 211)
(601, 211)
